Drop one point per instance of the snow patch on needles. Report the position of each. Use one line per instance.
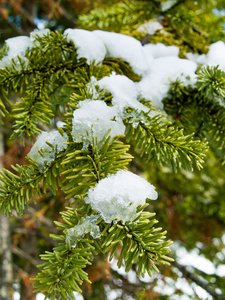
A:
(123, 90)
(42, 153)
(17, 46)
(156, 84)
(86, 225)
(117, 196)
(95, 119)
(38, 33)
(88, 45)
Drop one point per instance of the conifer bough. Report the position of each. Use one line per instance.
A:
(108, 92)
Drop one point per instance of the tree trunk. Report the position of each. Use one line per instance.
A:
(6, 275)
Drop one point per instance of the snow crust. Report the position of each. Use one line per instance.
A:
(95, 119)
(17, 46)
(88, 45)
(44, 154)
(86, 225)
(117, 196)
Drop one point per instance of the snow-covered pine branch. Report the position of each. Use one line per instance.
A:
(108, 90)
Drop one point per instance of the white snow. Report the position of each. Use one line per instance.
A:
(215, 56)
(91, 88)
(160, 50)
(117, 196)
(123, 90)
(86, 225)
(88, 44)
(38, 33)
(150, 27)
(48, 153)
(124, 47)
(94, 118)
(156, 84)
(17, 46)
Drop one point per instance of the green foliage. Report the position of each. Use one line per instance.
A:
(141, 244)
(17, 190)
(51, 83)
(114, 18)
(157, 139)
(211, 82)
(200, 109)
(190, 30)
(84, 168)
(63, 273)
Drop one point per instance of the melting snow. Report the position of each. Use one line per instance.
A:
(86, 225)
(48, 153)
(117, 196)
(94, 119)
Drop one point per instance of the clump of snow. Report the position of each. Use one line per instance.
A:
(123, 90)
(94, 118)
(38, 33)
(156, 84)
(150, 27)
(42, 153)
(117, 196)
(214, 57)
(88, 44)
(86, 225)
(17, 46)
(160, 50)
(124, 47)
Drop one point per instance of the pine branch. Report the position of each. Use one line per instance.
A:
(49, 61)
(155, 138)
(199, 112)
(118, 15)
(63, 273)
(142, 243)
(84, 168)
(211, 82)
(35, 106)
(214, 128)
(16, 191)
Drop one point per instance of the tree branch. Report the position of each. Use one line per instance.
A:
(188, 275)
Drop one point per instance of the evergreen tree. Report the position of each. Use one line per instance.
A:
(100, 103)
